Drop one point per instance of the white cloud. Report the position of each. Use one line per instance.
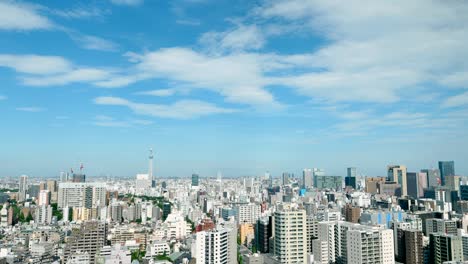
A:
(73, 76)
(184, 109)
(374, 53)
(18, 16)
(3, 97)
(240, 38)
(188, 22)
(34, 64)
(159, 92)
(79, 12)
(127, 2)
(31, 109)
(238, 77)
(457, 100)
(93, 43)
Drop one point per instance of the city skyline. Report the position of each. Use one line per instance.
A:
(248, 87)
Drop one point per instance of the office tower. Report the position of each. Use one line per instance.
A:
(464, 192)
(390, 188)
(218, 246)
(166, 210)
(412, 184)
(87, 195)
(44, 197)
(371, 184)
(246, 233)
(350, 179)
(329, 182)
(317, 172)
(445, 248)
(195, 179)
(352, 214)
(307, 178)
(247, 213)
(397, 173)
(33, 191)
(446, 168)
(442, 226)
(63, 176)
(422, 183)
(285, 178)
(290, 238)
(23, 188)
(351, 172)
(452, 182)
(369, 246)
(413, 240)
(43, 214)
(433, 177)
(89, 237)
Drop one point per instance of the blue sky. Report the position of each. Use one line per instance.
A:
(235, 86)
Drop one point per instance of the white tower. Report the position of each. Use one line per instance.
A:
(150, 172)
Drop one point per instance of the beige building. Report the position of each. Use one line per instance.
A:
(397, 173)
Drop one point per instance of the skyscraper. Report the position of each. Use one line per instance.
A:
(263, 232)
(350, 179)
(285, 178)
(23, 188)
(412, 184)
(307, 178)
(433, 177)
(195, 179)
(150, 168)
(397, 173)
(446, 168)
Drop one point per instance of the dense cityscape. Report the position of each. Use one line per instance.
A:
(233, 132)
(403, 217)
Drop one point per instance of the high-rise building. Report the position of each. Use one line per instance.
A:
(195, 180)
(317, 172)
(433, 177)
(78, 177)
(23, 188)
(464, 192)
(351, 182)
(247, 213)
(372, 184)
(412, 184)
(143, 183)
(352, 214)
(446, 168)
(397, 173)
(351, 172)
(71, 194)
(43, 214)
(453, 182)
(166, 210)
(344, 242)
(150, 168)
(442, 226)
(89, 237)
(307, 178)
(369, 246)
(422, 183)
(263, 233)
(329, 182)
(445, 248)
(290, 238)
(413, 246)
(44, 197)
(218, 246)
(285, 178)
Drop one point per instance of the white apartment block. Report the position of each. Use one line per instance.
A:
(290, 236)
(247, 213)
(217, 246)
(81, 194)
(353, 243)
(43, 214)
